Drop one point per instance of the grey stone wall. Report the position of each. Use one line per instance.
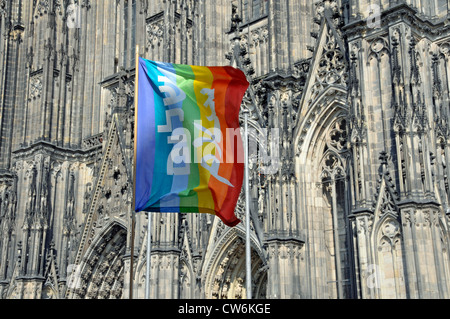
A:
(354, 205)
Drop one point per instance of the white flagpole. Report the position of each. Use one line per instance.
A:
(149, 251)
(133, 217)
(247, 212)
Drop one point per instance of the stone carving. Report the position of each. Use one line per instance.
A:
(332, 68)
(385, 90)
(155, 33)
(35, 87)
(32, 177)
(378, 48)
(337, 138)
(43, 7)
(93, 141)
(3, 7)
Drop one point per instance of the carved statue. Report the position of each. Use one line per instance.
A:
(32, 191)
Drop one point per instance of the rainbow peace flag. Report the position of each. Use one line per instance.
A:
(189, 152)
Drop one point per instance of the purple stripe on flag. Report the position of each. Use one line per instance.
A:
(145, 153)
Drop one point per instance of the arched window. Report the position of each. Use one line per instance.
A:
(337, 227)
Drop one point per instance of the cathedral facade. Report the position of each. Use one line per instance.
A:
(349, 166)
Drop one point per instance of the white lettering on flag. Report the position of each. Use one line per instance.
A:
(211, 137)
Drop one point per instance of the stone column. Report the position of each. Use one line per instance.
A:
(284, 269)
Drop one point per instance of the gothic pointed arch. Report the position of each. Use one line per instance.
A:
(327, 79)
(224, 271)
(325, 154)
(387, 237)
(387, 195)
(51, 288)
(109, 199)
(100, 275)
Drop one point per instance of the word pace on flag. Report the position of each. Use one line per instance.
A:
(189, 152)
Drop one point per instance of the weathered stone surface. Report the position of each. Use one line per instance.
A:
(349, 103)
